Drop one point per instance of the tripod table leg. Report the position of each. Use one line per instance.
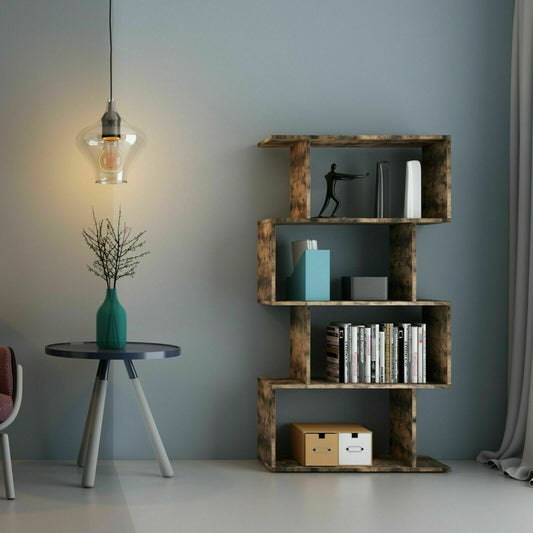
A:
(151, 428)
(89, 472)
(88, 422)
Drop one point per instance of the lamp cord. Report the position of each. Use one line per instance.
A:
(110, 55)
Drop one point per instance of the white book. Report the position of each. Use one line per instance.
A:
(374, 357)
(413, 190)
(405, 362)
(381, 352)
(424, 377)
(424, 360)
(420, 352)
(414, 353)
(368, 355)
(348, 353)
(362, 352)
(389, 339)
(394, 355)
(354, 359)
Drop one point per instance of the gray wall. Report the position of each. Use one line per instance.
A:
(206, 80)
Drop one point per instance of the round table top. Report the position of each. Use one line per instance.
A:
(132, 350)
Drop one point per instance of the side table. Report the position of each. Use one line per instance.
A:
(90, 443)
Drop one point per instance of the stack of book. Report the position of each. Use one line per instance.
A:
(376, 353)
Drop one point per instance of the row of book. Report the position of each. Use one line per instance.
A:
(376, 353)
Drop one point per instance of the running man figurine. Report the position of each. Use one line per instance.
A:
(331, 179)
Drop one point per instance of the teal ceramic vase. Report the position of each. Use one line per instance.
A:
(111, 323)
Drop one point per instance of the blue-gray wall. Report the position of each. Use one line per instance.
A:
(206, 80)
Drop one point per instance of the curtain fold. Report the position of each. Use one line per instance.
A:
(515, 456)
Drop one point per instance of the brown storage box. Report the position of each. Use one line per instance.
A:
(318, 444)
(313, 445)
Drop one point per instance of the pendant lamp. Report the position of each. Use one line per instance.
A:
(111, 145)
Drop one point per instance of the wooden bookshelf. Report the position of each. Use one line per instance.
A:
(436, 209)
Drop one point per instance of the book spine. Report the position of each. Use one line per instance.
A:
(342, 356)
(424, 367)
(382, 347)
(332, 354)
(361, 349)
(388, 374)
(374, 376)
(400, 354)
(414, 353)
(347, 353)
(420, 352)
(368, 354)
(344, 331)
(394, 354)
(406, 353)
(354, 359)
(412, 203)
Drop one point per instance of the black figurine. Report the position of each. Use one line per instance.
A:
(331, 179)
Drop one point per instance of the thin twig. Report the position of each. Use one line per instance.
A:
(115, 249)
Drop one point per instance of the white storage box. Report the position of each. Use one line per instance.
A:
(355, 448)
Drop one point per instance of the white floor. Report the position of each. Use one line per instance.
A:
(241, 496)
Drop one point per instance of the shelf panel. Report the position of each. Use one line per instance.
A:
(380, 464)
(353, 140)
(359, 303)
(320, 383)
(338, 221)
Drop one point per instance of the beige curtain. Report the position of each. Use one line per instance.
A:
(515, 456)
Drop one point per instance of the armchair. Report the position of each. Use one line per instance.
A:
(10, 400)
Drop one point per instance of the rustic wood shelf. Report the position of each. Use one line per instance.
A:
(356, 303)
(335, 221)
(354, 141)
(322, 383)
(380, 464)
(436, 209)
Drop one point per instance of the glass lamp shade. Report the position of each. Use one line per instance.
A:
(111, 146)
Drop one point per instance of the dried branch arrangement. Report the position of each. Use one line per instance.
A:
(117, 250)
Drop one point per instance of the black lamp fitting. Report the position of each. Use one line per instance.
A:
(111, 121)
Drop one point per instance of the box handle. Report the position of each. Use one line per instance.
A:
(322, 449)
(355, 449)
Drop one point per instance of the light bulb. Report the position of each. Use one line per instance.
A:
(110, 146)
(111, 159)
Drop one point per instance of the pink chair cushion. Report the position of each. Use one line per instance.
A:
(6, 406)
(6, 371)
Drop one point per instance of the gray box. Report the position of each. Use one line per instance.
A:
(364, 288)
